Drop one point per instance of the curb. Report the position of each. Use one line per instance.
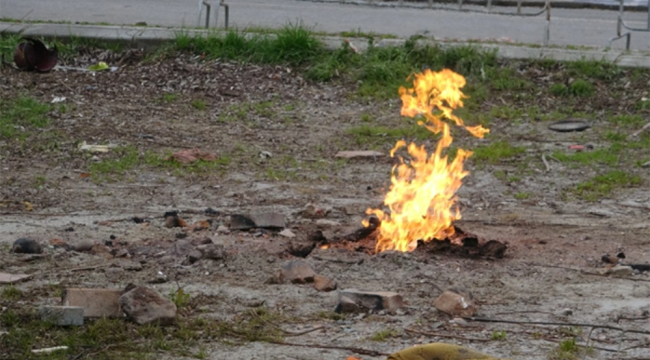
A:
(150, 37)
(495, 3)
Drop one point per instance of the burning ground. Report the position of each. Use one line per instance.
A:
(276, 132)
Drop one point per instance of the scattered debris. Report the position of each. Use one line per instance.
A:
(438, 351)
(62, 315)
(146, 306)
(13, 278)
(58, 99)
(617, 271)
(323, 283)
(645, 127)
(95, 149)
(346, 305)
(32, 54)
(189, 156)
(26, 246)
(98, 67)
(83, 246)
(240, 222)
(358, 153)
(455, 304)
(369, 300)
(569, 125)
(172, 220)
(576, 147)
(311, 211)
(297, 272)
(607, 258)
(287, 233)
(269, 220)
(95, 302)
(639, 267)
(49, 350)
(212, 251)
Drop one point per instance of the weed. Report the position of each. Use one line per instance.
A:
(581, 88)
(384, 334)
(169, 98)
(601, 70)
(17, 115)
(602, 185)
(627, 120)
(522, 195)
(559, 90)
(499, 335)
(496, 152)
(11, 293)
(566, 350)
(198, 104)
(180, 298)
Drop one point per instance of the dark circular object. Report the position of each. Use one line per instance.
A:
(569, 125)
(26, 246)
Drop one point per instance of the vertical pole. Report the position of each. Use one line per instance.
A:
(430, 4)
(460, 4)
(519, 7)
(198, 20)
(227, 14)
(401, 3)
(489, 5)
(207, 15)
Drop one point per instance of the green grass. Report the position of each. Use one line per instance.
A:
(375, 134)
(522, 195)
(578, 88)
(122, 160)
(496, 152)
(603, 185)
(18, 116)
(384, 335)
(499, 335)
(198, 104)
(568, 349)
(10, 292)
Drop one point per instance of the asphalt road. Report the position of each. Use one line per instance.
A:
(568, 26)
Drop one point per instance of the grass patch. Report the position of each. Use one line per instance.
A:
(603, 185)
(384, 335)
(11, 293)
(578, 88)
(198, 104)
(496, 152)
(18, 115)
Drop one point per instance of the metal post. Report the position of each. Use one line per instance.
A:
(489, 5)
(519, 7)
(401, 3)
(460, 4)
(547, 33)
(207, 15)
(198, 20)
(226, 9)
(430, 4)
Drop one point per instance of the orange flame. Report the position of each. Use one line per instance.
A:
(422, 195)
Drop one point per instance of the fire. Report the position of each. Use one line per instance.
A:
(422, 197)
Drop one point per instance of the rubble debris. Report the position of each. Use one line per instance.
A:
(346, 305)
(287, 233)
(222, 229)
(58, 243)
(199, 226)
(565, 312)
(639, 267)
(297, 272)
(172, 220)
(325, 223)
(147, 306)
(438, 351)
(569, 125)
(323, 283)
(159, 279)
(113, 274)
(189, 156)
(358, 153)
(240, 222)
(301, 248)
(203, 240)
(26, 246)
(311, 211)
(194, 256)
(609, 259)
(83, 246)
(371, 300)
(49, 350)
(13, 278)
(32, 54)
(269, 220)
(212, 251)
(180, 248)
(457, 305)
(95, 302)
(95, 149)
(617, 271)
(211, 211)
(62, 315)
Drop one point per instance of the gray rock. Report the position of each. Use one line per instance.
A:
(26, 246)
(194, 256)
(297, 272)
(146, 306)
(213, 251)
(268, 220)
(83, 246)
(322, 283)
(455, 304)
(180, 248)
(240, 222)
(373, 300)
(62, 315)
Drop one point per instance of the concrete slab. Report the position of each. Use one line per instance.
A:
(12, 278)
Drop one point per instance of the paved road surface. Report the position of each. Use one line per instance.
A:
(568, 27)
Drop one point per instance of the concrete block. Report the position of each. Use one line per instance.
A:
(455, 304)
(268, 220)
(95, 302)
(373, 300)
(62, 315)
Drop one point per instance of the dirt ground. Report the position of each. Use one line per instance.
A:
(239, 112)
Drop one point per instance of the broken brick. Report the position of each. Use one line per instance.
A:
(323, 283)
(95, 302)
(459, 305)
(147, 306)
(373, 300)
(297, 272)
